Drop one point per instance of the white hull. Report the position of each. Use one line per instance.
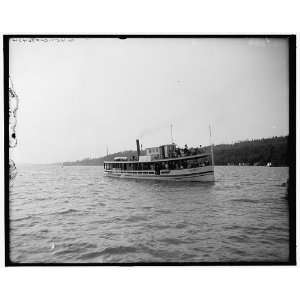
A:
(201, 174)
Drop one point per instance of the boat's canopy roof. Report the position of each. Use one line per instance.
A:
(120, 158)
(160, 160)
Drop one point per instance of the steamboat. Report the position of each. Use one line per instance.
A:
(166, 162)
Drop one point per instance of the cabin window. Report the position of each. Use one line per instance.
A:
(193, 163)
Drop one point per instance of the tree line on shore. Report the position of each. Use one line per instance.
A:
(258, 152)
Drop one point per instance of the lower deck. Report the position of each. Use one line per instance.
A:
(203, 173)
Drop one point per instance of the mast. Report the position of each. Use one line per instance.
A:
(172, 141)
(211, 147)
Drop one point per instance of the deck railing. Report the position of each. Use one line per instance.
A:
(116, 170)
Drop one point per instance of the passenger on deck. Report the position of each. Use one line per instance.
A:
(186, 149)
(199, 150)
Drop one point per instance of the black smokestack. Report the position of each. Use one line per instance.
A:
(138, 148)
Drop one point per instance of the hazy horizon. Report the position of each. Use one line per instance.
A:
(134, 149)
(78, 96)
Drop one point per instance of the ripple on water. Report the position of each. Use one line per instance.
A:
(173, 241)
(21, 219)
(243, 217)
(109, 251)
(245, 200)
(73, 248)
(181, 225)
(65, 211)
(136, 218)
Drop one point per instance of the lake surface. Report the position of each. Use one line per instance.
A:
(75, 215)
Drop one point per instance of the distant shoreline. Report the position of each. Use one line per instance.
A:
(257, 152)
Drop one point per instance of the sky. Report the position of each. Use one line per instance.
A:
(79, 96)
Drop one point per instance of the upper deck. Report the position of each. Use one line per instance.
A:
(200, 155)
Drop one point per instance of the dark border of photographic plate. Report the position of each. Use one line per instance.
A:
(291, 150)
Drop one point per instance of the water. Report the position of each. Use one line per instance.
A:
(75, 215)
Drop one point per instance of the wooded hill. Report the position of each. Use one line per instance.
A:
(251, 152)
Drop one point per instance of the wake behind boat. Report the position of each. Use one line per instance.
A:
(166, 162)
